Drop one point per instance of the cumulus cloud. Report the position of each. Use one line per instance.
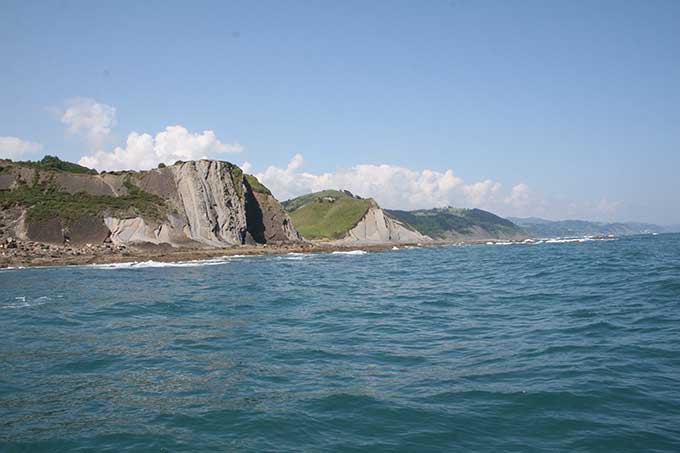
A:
(520, 196)
(144, 151)
(90, 119)
(392, 186)
(14, 147)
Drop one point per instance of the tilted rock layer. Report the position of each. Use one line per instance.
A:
(376, 227)
(203, 203)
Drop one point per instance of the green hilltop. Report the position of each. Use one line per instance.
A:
(328, 214)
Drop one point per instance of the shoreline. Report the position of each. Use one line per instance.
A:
(132, 254)
(44, 255)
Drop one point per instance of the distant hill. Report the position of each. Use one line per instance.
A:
(340, 216)
(455, 223)
(538, 227)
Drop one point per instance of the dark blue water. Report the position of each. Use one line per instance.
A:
(569, 347)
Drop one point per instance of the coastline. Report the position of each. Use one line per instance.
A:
(91, 255)
(31, 254)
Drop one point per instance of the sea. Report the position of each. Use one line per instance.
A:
(562, 345)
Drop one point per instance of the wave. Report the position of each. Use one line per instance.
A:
(11, 268)
(350, 252)
(552, 241)
(24, 302)
(295, 256)
(152, 264)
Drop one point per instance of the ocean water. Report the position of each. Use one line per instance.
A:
(566, 346)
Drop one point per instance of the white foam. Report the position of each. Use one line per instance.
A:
(153, 264)
(23, 302)
(395, 248)
(350, 252)
(295, 256)
(566, 240)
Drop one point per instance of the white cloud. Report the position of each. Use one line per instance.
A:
(392, 186)
(520, 196)
(90, 119)
(403, 188)
(144, 151)
(481, 191)
(246, 167)
(14, 147)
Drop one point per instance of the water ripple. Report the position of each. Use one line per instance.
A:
(551, 347)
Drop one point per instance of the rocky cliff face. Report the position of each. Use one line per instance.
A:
(376, 227)
(202, 203)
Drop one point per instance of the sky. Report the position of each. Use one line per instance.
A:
(556, 109)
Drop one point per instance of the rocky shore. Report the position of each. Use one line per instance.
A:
(17, 253)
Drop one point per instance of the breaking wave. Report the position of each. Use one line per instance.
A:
(350, 252)
(152, 264)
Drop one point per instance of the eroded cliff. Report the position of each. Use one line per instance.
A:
(205, 203)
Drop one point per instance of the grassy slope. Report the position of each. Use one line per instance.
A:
(316, 217)
(45, 201)
(437, 222)
(256, 185)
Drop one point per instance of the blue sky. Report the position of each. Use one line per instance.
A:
(559, 109)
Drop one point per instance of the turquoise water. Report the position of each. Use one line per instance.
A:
(546, 347)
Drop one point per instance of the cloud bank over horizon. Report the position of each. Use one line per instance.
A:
(392, 186)
(397, 187)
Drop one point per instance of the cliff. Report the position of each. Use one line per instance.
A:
(204, 203)
(340, 217)
(378, 227)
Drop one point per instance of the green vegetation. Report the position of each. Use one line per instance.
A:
(55, 164)
(256, 185)
(236, 178)
(440, 223)
(45, 201)
(296, 203)
(329, 214)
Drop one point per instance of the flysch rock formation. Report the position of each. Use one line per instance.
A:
(375, 227)
(205, 203)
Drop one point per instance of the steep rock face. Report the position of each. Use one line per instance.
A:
(202, 203)
(208, 196)
(276, 225)
(378, 228)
